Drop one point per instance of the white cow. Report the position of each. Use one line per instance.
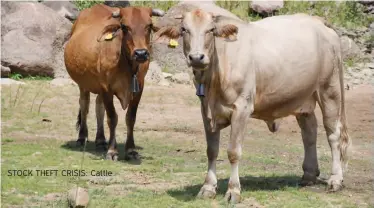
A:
(267, 70)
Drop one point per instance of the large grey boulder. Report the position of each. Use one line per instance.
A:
(33, 38)
(65, 9)
(173, 59)
(266, 7)
(154, 73)
(5, 71)
(117, 3)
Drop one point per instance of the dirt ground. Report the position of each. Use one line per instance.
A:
(171, 115)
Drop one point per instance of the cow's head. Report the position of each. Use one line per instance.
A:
(198, 29)
(136, 26)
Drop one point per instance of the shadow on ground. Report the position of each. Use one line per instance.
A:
(248, 183)
(91, 148)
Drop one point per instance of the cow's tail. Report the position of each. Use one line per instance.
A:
(79, 119)
(345, 141)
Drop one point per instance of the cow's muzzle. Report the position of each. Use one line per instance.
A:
(141, 55)
(197, 60)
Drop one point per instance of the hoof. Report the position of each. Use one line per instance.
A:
(80, 142)
(132, 155)
(334, 184)
(233, 196)
(101, 145)
(308, 180)
(207, 192)
(112, 156)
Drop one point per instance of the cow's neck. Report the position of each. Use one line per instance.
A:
(214, 85)
(211, 78)
(133, 69)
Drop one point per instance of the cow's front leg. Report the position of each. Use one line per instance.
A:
(130, 152)
(212, 138)
(112, 119)
(238, 122)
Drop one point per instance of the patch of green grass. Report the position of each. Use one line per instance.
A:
(163, 5)
(350, 62)
(166, 70)
(84, 4)
(8, 140)
(347, 14)
(173, 161)
(17, 76)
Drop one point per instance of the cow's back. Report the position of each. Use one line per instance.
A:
(82, 53)
(288, 57)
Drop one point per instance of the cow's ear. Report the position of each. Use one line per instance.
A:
(109, 32)
(223, 29)
(164, 34)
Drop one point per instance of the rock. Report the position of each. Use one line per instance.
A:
(52, 196)
(164, 82)
(79, 199)
(356, 81)
(366, 72)
(65, 9)
(371, 26)
(7, 81)
(154, 74)
(167, 75)
(349, 48)
(37, 154)
(344, 32)
(33, 38)
(117, 3)
(5, 71)
(266, 7)
(366, 65)
(57, 82)
(367, 2)
(173, 58)
(181, 78)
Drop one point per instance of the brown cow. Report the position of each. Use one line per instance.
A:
(108, 55)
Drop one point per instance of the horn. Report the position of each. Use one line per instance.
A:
(158, 12)
(116, 14)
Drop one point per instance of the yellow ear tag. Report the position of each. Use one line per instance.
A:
(109, 36)
(173, 43)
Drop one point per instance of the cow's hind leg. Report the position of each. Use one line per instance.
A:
(84, 104)
(308, 125)
(100, 140)
(130, 152)
(210, 185)
(112, 120)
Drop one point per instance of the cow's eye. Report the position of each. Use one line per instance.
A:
(124, 28)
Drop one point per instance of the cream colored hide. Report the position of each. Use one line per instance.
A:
(269, 69)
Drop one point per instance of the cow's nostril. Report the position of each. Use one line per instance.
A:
(141, 52)
(196, 57)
